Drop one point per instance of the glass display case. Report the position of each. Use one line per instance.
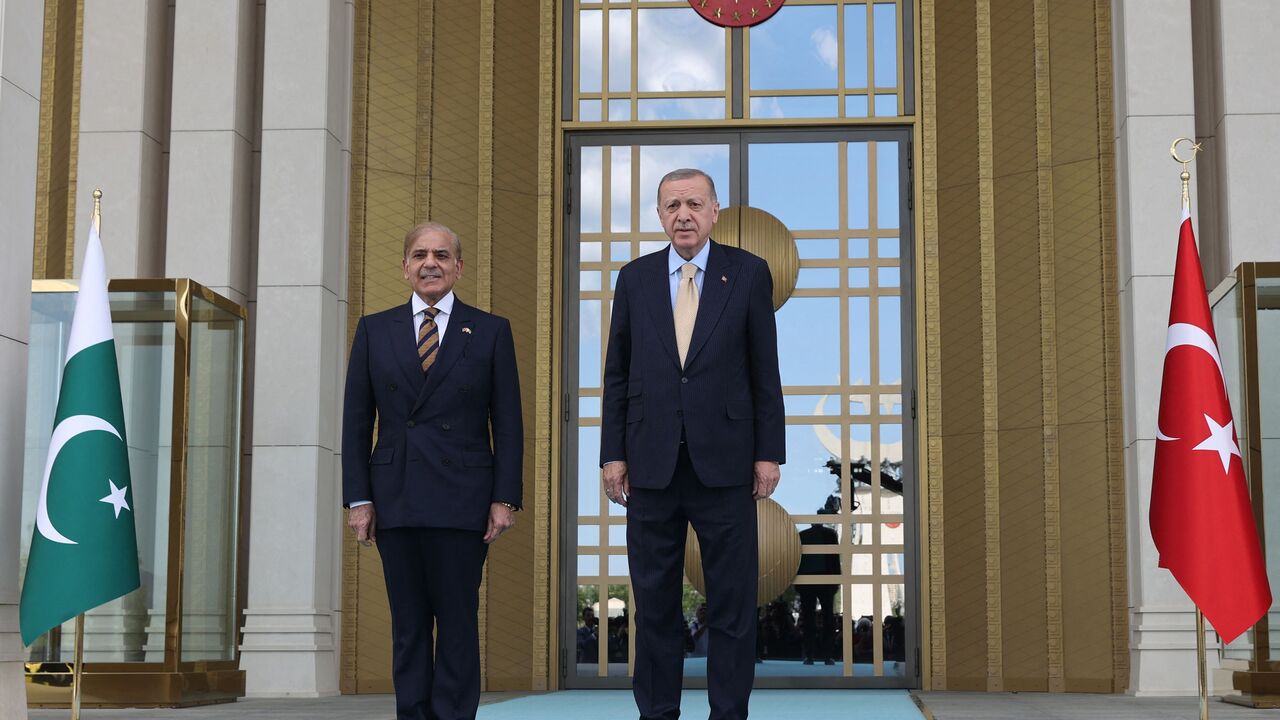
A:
(173, 641)
(1246, 316)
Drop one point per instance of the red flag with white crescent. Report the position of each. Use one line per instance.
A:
(1201, 518)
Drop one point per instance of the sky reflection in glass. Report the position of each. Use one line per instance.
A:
(802, 106)
(796, 183)
(678, 51)
(796, 49)
(809, 341)
(886, 44)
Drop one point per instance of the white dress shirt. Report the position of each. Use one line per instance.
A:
(445, 308)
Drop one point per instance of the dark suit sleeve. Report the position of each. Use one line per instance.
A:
(766, 383)
(506, 421)
(617, 361)
(357, 421)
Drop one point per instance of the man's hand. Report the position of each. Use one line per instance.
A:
(767, 476)
(617, 486)
(361, 520)
(500, 518)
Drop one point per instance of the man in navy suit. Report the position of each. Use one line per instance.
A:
(439, 376)
(692, 433)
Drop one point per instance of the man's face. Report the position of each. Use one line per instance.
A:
(687, 213)
(431, 266)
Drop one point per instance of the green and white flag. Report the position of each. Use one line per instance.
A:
(84, 550)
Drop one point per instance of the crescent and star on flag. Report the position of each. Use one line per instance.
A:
(67, 430)
(1221, 438)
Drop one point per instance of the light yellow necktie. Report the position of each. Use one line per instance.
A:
(686, 308)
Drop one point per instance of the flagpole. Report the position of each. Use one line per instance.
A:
(77, 673)
(1200, 666)
(1201, 670)
(79, 663)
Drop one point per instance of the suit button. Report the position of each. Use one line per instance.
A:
(447, 462)
(445, 427)
(684, 381)
(411, 423)
(392, 386)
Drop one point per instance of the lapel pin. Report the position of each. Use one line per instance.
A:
(724, 279)
(466, 330)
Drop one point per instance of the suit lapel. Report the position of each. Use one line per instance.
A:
(717, 284)
(453, 347)
(404, 347)
(656, 288)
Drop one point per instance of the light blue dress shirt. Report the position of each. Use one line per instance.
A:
(675, 262)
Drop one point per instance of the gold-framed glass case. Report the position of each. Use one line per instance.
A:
(173, 641)
(1246, 318)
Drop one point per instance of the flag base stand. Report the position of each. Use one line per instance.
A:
(49, 685)
(1258, 688)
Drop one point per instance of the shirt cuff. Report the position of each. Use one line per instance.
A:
(610, 462)
(358, 503)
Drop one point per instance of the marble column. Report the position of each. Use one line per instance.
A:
(1154, 104)
(292, 623)
(211, 142)
(1237, 122)
(21, 34)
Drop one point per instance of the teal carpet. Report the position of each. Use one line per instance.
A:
(765, 705)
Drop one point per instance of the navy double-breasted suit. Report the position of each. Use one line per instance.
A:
(690, 435)
(432, 476)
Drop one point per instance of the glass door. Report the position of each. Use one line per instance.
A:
(845, 338)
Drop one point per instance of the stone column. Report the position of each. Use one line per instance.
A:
(21, 34)
(291, 625)
(1154, 104)
(211, 138)
(1238, 120)
(124, 132)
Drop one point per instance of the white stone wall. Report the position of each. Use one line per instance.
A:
(21, 35)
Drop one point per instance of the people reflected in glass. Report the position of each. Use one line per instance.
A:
(588, 638)
(698, 632)
(818, 630)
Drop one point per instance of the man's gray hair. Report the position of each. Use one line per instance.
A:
(426, 227)
(685, 174)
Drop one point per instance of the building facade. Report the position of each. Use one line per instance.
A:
(983, 214)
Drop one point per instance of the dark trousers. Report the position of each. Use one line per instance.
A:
(433, 583)
(817, 644)
(725, 522)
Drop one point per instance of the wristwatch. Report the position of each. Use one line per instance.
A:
(509, 506)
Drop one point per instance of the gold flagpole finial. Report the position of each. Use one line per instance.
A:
(97, 209)
(1186, 174)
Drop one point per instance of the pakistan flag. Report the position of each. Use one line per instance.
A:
(84, 550)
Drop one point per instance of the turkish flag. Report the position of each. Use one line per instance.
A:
(1201, 518)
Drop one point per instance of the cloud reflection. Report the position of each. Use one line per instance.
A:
(679, 52)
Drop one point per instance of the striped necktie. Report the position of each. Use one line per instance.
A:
(428, 339)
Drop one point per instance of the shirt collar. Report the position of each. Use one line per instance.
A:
(445, 305)
(675, 262)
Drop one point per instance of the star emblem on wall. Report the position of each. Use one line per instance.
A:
(736, 13)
